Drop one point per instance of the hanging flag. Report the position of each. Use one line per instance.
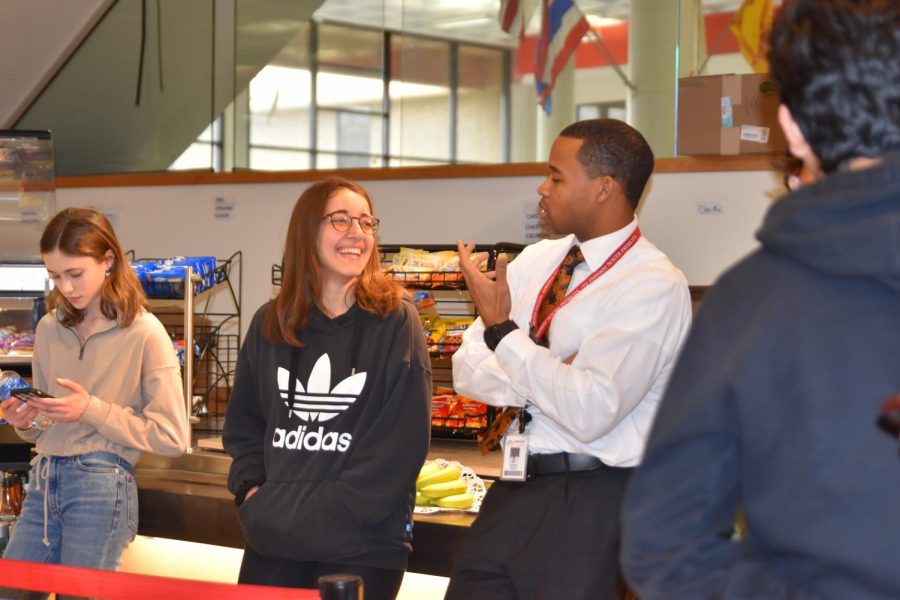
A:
(751, 26)
(562, 27)
(515, 14)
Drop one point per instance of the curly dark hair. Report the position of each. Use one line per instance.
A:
(836, 65)
(614, 148)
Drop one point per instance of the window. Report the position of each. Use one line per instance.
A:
(444, 102)
(370, 83)
(601, 110)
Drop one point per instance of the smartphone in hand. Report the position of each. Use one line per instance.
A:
(29, 393)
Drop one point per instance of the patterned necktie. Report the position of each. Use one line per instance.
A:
(491, 438)
(559, 286)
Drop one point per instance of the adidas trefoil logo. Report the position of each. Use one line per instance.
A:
(316, 403)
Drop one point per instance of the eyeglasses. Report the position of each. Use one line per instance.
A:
(341, 221)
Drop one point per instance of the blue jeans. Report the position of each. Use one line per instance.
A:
(80, 511)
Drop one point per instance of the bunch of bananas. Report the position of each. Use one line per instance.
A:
(442, 486)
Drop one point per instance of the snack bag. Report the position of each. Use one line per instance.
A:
(440, 409)
(455, 329)
(9, 380)
(423, 300)
(475, 412)
(434, 327)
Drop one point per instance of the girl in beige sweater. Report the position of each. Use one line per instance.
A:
(117, 392)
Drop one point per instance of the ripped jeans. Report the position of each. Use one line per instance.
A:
(80, 511)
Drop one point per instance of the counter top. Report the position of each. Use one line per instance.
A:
(186, 498)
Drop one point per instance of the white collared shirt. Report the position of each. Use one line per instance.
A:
(626, 329)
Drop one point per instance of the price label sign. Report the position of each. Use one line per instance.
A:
(224, 208)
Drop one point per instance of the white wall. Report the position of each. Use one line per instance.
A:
(178, 220)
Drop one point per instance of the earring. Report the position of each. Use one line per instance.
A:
(107, 273)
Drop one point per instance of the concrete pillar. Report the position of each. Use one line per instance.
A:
(658, 34)
(563, 109)
(523, 123)
(236, 132)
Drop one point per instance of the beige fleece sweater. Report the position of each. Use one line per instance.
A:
(133, 377)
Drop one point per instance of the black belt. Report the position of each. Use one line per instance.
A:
(561, 462)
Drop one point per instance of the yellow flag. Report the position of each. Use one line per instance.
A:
(751, 26)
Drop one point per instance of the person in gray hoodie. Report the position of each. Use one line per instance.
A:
(774, 403)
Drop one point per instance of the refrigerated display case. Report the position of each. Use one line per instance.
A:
(23, 285)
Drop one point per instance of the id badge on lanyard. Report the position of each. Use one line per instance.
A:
(515, 458)
(515, 452)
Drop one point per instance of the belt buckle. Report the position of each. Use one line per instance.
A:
(531, 470)
(533, 461)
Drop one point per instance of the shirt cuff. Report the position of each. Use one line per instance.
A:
(513, 351)
(95, 413)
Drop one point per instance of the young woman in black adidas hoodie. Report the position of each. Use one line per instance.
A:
(329, 419)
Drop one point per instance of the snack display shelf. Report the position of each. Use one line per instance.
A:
(208, 321)
(11, 360)
(441, 280)
(174, 288)
(451, 300)
(430, 280)
(441, 350)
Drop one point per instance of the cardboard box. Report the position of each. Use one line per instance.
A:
(728, 114)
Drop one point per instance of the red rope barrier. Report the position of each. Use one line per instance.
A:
(93, 583)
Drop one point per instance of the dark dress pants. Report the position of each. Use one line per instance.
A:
(554, 536)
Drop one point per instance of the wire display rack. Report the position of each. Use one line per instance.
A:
(206, 326)
(452, 300)
(460, 420)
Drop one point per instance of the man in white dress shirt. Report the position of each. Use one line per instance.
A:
(587, 373)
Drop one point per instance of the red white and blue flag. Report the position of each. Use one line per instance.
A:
(562, 27)
(515, 14)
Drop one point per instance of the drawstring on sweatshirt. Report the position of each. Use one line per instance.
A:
(42, 476)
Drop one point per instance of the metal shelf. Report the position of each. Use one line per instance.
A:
(211, 338)
(451, 300)
(15, 360)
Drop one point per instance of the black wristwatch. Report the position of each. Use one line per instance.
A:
(495, 333)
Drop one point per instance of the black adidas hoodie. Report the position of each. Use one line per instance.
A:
(337, 464)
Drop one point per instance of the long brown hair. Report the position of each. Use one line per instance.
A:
(86, 232)
(301, 283)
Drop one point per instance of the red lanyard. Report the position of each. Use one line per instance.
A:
(538, 332)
